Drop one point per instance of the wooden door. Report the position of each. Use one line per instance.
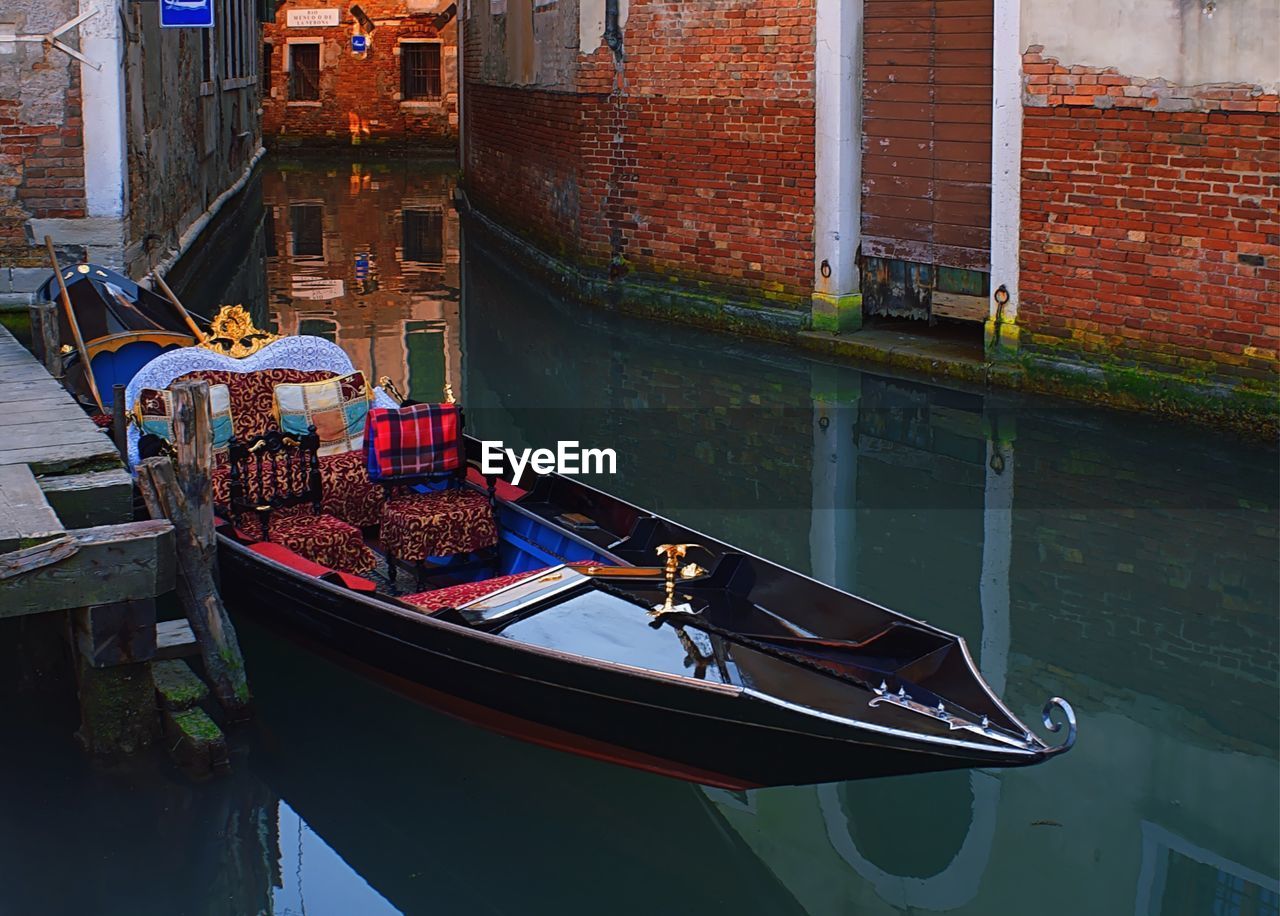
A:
(926, 197)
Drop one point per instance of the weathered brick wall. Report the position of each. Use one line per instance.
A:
(1150, 222)
(524, 162)
(694, 158)
(360, 95)
(41, 152)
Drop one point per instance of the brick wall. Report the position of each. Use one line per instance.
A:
(1150, 222)
(41, 151)
(360, 95)
(524, 161)
(694, 159)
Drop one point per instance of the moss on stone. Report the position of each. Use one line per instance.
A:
(177, 684)
(196, 726)
(117, 708)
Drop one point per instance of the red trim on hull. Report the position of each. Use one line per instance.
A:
(524, 730)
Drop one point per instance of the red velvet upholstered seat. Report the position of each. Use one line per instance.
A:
(318, 537)
(457, 595)
(437, 524)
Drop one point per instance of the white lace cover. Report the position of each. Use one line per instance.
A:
(304, 353)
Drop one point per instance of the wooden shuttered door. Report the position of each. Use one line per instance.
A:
(926, 164)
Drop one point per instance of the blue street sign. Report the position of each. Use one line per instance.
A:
(186, 14)
(359, 43)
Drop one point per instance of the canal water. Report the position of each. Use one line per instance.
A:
(1126, 564)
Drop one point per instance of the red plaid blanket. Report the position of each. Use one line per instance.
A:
(416, 441)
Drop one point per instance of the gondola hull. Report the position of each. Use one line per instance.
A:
(709, 733)
(123, 325)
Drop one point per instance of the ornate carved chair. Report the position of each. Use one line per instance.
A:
(417, 453)
(275, 495)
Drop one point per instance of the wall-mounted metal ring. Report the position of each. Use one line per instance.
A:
(825, 269)
(1002, 295)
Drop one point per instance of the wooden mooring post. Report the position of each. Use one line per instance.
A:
(119, 421)
(46, 340)
(185, 498)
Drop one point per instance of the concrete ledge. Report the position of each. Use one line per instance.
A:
(89, 230)
(643, 296)
(1002, 365)
(1250, 411)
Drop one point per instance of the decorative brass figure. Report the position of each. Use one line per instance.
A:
(448, 394)
(390, 388)
(233, 334)
(674, 553)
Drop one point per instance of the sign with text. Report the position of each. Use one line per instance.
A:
(359, 44)
(311, 19)
(186, 14)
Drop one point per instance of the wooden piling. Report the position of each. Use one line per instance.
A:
(219, 648)
(119, 420)
(46, 340)
(185, 497)
(193, 447)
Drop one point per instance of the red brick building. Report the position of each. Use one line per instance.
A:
(1099, 194)
(378, 71)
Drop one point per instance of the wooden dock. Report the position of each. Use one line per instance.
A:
(69, 548)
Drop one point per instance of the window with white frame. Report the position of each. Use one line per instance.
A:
(303, 64)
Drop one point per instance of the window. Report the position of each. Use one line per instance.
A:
(238, 32)
(419, 70)
(206, 55)
(424, 236)
(306, 228)
(304, 72)
(268, 52)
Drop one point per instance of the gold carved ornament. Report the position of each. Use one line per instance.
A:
(232, 333)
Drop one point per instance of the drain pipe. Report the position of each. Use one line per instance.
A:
(612, 30)
(460, 64)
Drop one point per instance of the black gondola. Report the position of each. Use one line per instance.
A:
(124, 326)
(580, 630)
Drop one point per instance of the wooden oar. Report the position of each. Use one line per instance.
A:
(75, 326)
(182, 309)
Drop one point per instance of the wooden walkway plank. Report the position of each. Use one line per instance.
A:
(174, 639)
(90, 499)
(63, 439)
(113, 563)
(26, 518)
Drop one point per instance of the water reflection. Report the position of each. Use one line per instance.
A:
(367, 256)
(1125, 564)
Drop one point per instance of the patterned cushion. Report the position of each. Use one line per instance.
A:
(154, 413)
(457, 595)
(320, 538)
(414, 441)
(438, 524)
(348, 492)
(336, 407)
(252, 395)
